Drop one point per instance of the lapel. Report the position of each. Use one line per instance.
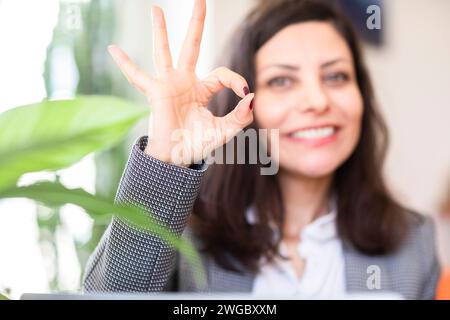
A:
(222, 280)
(356, 274)
(356, 267)
(362, 271)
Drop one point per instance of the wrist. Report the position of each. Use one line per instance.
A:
(163, 156)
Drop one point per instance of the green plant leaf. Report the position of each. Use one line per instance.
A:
(3, 297)
(55, 194)
(55, 134)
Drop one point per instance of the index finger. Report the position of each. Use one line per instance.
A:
(191, 45)
(131, 71)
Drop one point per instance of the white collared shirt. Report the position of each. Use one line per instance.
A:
(323, 275)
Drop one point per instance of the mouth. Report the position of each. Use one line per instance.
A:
(315, 136)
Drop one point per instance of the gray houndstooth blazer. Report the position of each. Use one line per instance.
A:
(129, 259)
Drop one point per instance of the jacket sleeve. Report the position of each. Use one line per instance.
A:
(432, 269)
(132, 260)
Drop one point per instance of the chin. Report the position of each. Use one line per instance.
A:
(314, 168)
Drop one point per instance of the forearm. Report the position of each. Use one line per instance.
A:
(128, 259)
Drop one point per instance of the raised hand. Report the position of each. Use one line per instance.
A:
(179, 99)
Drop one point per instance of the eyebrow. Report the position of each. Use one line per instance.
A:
(331, 62)
(296, 68)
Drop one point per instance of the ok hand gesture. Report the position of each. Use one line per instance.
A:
(179, 99)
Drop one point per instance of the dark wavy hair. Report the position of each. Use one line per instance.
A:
(368, 217)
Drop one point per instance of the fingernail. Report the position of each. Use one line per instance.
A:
(251, 105)
(246, 90)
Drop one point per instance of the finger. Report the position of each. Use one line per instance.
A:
(191, 45)
(238, 119)
(131, 71)
(161, 48)
(222, 78)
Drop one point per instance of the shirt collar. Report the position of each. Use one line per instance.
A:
(321, 229)
(324, 227)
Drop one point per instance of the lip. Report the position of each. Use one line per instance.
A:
(315, 142)
(317, 126)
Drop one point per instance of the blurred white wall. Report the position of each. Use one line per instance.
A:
(412, 81)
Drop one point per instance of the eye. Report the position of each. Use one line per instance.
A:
(337, 78)
(280, 82)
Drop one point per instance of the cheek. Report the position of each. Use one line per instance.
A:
(350, 108)
(269, 111)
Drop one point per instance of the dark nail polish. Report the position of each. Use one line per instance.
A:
(251, 105)
(246, 90)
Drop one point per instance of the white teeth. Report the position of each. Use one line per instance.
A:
(314, 133)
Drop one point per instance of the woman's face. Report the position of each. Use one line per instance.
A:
(306, 87)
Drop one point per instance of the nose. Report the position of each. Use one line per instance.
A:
(314, 97)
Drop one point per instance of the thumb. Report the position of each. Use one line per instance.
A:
(239, 118)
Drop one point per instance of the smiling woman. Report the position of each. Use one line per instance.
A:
(318, 80)
(314, 229)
